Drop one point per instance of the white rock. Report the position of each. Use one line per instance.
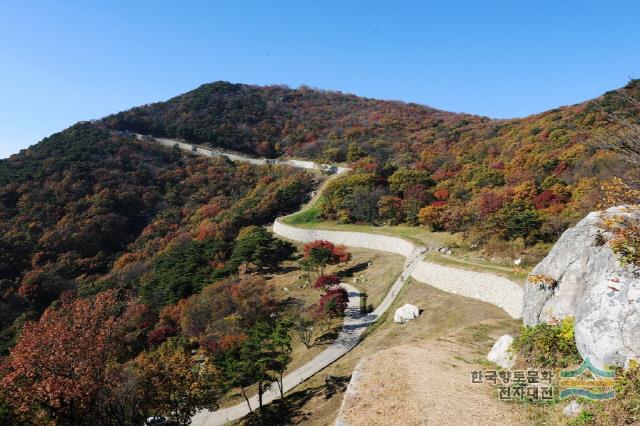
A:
(592, 286)
(406, 313)
(518, 261)
(500, 353)
(572, 409)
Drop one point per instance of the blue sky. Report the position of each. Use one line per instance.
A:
(65, 61)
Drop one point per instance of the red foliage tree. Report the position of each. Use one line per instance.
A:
(441, 194)
(322, 253)
(547, 199)
(332, 304)
(327, 282)
(160, 334)
(560, 168)
(489, 202)
(418, 192)
(59, 365)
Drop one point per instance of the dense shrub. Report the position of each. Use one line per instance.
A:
(546, 345)
(626, 244)
(326, 282)
(624, 409)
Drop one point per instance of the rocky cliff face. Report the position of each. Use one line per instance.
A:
(582, 277)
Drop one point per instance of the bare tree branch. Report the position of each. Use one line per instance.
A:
(623, 136)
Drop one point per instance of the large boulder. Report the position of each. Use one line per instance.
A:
(583, 278)
(406, 313)
(500, 353)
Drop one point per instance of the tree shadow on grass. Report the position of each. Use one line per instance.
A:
(290, 411)
(351, 271)
(327, 338)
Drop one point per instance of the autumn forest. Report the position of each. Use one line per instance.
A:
(126, 266)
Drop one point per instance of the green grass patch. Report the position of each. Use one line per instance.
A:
(308, 216)
(417, 235)
(477, 266)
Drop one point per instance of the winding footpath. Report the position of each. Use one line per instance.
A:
(483, 286)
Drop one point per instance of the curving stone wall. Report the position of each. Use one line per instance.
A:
(216, 153)
(483, 286)
(498, 291)
(351, 239)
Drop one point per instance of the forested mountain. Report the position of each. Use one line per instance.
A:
(118, 257)
(276, 120)
(81, 199)
(496, 180)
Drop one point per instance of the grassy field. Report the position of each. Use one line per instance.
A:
(478, 265)
(309, 215)
(461, 328)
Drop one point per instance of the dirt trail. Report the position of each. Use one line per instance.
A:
(420, 385)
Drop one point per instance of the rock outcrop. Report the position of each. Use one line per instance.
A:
(500, 353)
(583, 278)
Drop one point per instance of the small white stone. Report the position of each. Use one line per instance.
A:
(500, 353)
(572, 409)
(406, 313)
(518, 261)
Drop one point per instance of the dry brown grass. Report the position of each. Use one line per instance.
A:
(464, 327)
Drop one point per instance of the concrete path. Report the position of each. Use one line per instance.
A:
(234, 156)
(353, 327)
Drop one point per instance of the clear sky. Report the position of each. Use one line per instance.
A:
(65, 61)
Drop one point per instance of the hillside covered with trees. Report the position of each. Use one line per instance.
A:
(132, 276)
(102, 236)
(524, 180)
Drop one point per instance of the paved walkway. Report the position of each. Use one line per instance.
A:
(353, 327)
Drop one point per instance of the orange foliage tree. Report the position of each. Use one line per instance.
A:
(57, 369)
